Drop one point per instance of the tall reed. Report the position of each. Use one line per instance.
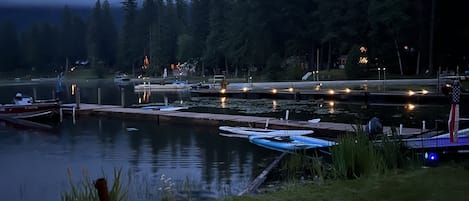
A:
(355, 155)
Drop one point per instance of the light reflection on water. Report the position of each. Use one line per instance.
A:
(34, 163)
(344, 112)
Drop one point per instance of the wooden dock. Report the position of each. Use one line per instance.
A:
(325, 128)
(336, 95)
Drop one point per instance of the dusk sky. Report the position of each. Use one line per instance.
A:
(59, 3)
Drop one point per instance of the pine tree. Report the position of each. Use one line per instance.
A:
(108, 41)
(9, 47)
(129, 55)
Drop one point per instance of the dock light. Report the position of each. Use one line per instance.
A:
(317, 88)
(410, 107)
(223, 91)
(430, 159)
(331, 92)
(347, 90)
(274, 91)
(291, 89)
(424, 91)
(431, 156)
(331, 103)
(410, 93)
(245, 89)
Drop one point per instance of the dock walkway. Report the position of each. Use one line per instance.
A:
(218, 119)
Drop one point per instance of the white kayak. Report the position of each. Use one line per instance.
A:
(246, 132)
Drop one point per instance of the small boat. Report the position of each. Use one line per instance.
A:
(177, 85)
(25, 107)
(246, 131)
(121, 78)
(291, 143)
(164, 108)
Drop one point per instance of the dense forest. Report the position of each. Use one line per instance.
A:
(274, 38)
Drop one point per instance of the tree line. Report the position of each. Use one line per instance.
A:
(242, 37)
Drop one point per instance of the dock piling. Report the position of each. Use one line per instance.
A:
(77, 98)
(122, 97)
(99, 96)
(34, 94)
(73, 115)
(61, 114)
(101, 186)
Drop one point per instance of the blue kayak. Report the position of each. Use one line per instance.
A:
(291, 143)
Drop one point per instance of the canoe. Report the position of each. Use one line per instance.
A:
(290, 144)
(246, 131)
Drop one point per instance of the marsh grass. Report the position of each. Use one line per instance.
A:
(301, 166)
(355, 155)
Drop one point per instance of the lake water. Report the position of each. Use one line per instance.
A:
(35, 162)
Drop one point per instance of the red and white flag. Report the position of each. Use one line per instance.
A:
(453, 121)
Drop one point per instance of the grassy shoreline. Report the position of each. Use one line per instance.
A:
(448, 181)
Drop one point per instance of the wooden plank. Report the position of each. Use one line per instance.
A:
(261, 178)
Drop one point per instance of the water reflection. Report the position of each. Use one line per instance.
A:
(213, 164)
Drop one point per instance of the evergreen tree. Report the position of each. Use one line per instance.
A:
(388, 19)
(72, 38)
(9, 47)
(214, 56)
(199, 28)
(130, 57)
(94, 35)
(41, 45)
(108, 41)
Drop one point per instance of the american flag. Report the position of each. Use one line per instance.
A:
(453, 121)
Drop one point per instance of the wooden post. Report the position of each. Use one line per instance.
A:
(286, 114)
(73, 115)
(122, 97)
(61, 114)
(99, 96)
(34, 94)
(77, 98)
(101, 186)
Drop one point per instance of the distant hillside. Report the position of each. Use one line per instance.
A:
(24, 17)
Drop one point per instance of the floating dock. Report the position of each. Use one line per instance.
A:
(334, 95)
(326, 129)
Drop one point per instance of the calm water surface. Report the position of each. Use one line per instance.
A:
(35, 162)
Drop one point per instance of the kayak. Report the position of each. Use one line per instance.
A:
(291, 143)
(246, 131)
